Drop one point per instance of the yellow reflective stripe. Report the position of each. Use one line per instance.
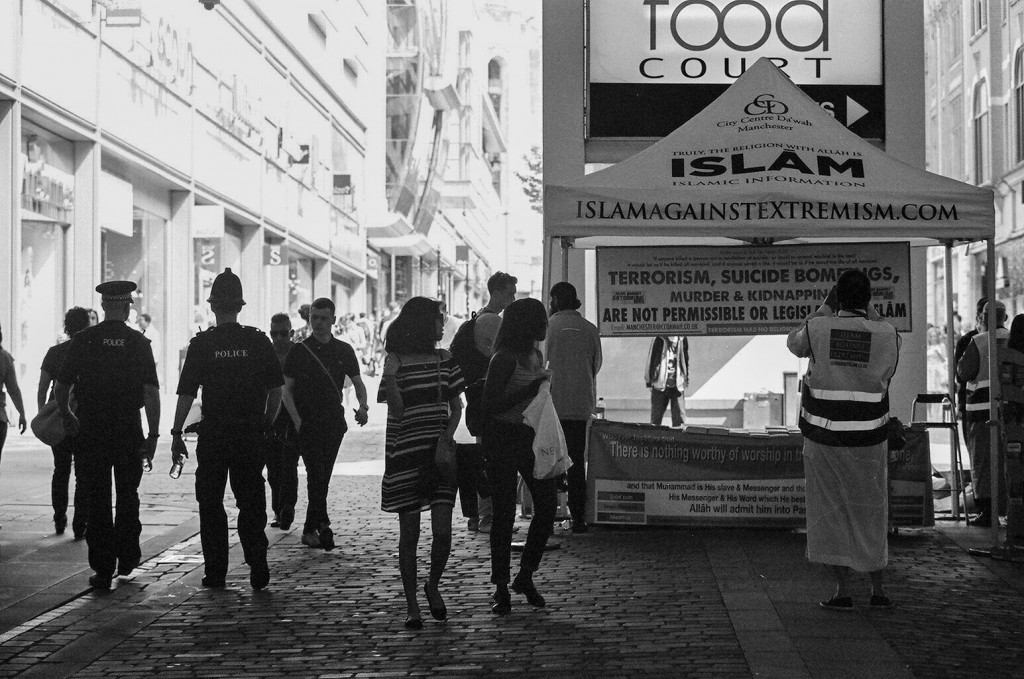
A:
(841, 395)
(980, 384)
(845, 425)
(976, 406)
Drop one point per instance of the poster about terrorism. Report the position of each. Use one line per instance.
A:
(645, 291)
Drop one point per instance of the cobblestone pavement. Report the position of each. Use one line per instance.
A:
(621, 602)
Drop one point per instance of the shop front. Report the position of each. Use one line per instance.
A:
(47, 212)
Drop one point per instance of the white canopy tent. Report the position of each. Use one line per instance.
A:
(764, 164)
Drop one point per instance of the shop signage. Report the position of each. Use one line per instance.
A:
(274, 254)
(671, 58)
(207, 221)
(646, 291)
(46, 190)
(117, 205)
(372, 265)
(638, 474)
(159, 45)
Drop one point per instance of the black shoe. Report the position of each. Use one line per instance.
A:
(880, 601)
(287, 516)
(78, 531)
(838, 603)
(216, 583)
(413, 623)
(98, 581)
(60, 523)
(983, 520)
(579, 527)
(259, 575)
(276, 523)
(326, 538)
(125, 567)
(438, 611)
(524, 585)
(502, 601)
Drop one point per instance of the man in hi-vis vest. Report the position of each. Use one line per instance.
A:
(972, 369)
(844, 417)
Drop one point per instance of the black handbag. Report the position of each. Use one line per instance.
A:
(897, 432)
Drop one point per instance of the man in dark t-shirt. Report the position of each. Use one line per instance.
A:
(282, 454)
(314, 375)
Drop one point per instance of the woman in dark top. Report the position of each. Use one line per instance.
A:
(75, 320)
(421, 385)
(514, 376)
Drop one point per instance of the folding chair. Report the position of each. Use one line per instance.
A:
(949, 423)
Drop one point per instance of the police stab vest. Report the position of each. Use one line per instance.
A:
(845, 400)
(978, 388)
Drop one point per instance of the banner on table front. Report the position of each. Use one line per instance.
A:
(645, 291)
(641, 474)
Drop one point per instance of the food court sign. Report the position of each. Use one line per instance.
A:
(671, 58)
(647, 291)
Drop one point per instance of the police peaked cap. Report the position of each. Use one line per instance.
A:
(226, 288)
(116, 291)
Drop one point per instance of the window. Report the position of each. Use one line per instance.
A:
(952, 46)
(1018, 104)
(953, 151)
(982, 152)
(979, 15)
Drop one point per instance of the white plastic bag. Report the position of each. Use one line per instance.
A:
(551, 456)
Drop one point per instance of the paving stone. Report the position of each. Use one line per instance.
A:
(621, 602)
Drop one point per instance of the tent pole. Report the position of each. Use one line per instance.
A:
(994, 392)
(954, 477)
(564, 243)
(545, 278)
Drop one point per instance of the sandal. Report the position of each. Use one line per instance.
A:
(838, 603)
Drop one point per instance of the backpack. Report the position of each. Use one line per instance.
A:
(473, 365)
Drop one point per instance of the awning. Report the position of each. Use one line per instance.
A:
(415, 244)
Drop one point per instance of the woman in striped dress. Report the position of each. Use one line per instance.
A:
(421, 385)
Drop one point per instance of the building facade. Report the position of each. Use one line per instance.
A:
(159, 142)
(975, 133)
(359, 150)
(462, 111)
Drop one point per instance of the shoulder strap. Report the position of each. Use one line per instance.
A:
(324, 368)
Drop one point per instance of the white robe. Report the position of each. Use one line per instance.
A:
(847, 505)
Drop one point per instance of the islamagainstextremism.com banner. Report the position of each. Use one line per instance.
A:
(646, 291)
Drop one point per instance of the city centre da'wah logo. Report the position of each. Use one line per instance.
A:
(765, 104)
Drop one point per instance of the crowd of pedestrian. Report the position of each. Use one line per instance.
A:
(269, 402)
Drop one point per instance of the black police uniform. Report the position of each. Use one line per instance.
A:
(236, 366)
(108, 366)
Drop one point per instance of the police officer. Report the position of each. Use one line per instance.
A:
(112, 371)
(241, 380)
